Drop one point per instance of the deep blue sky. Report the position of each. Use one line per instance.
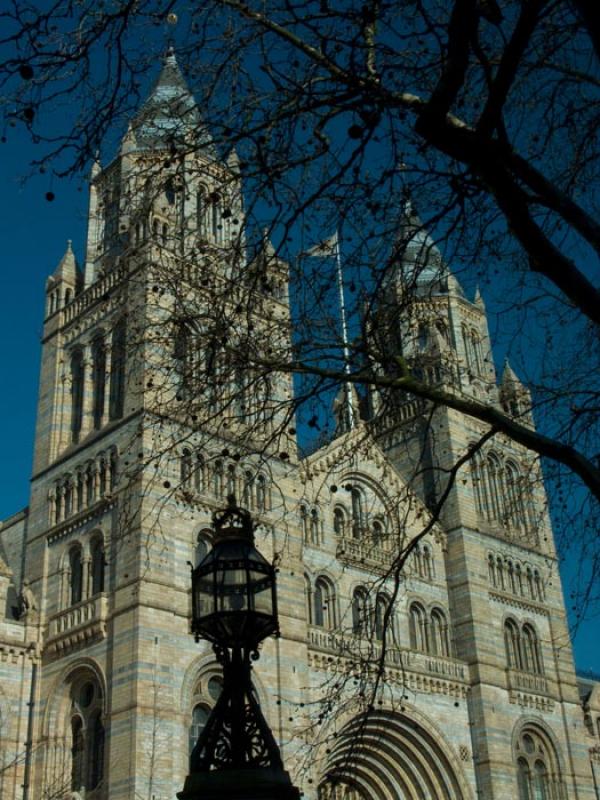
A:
(33, 238)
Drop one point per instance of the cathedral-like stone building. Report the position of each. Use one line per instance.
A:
(445, 675)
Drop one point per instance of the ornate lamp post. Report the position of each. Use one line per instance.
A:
(234, 606)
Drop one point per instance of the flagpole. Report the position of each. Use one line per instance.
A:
(345, 341)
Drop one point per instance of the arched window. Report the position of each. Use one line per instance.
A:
(537, 585)
(500, 573)
(113, 468)
(314, 526)
(201, 212)
(216, 223)
(202, 546)
(514, 505)
(532, 660)
(77, 393)
(422, 336)
(357, 512)
(231, 481)
(76, 576)
(79, 490)
(537, 765)
(477, 352)
(324, 604)
(90, 489)
(261, 493)
(418, 560)
(491, 570)
(360, 612)
(165, 233)
(519, 579)
(184, 354)
(523, 779)
(512, 644)
(511, 577)
(98, 566)
(339, 522)
(480, 485)
(440, 642)
(418, 627)
(218, 478)
(495, 494)
(87, 737)
(427, 563)
(247, 490)
(378, 533)
(200, 714)
(99, 380)
(200, 473)
(381, 605)
(529, 577)
(186, 468)
(117, 371)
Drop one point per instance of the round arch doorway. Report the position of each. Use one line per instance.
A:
(389, 756)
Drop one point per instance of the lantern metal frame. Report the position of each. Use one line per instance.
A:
(236, 748)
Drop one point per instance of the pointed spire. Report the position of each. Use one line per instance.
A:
(170, 116)
(267, 245)
(509, 376)
(421, 264)
(67, 267)
(233, 161)
(96, 167)
(478, 299)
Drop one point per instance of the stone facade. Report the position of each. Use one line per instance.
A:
(450, 675)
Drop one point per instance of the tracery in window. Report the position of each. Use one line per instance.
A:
(537, 766)
(87, 736)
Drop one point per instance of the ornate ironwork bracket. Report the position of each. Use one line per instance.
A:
(236, 735)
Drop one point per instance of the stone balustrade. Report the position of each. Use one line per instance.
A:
(78, 624)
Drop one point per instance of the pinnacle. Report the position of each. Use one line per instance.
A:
(508, 374)
(170, 114)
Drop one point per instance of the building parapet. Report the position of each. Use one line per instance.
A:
(78, 624)
(363, 554)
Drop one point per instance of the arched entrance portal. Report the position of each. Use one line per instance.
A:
(388, 756)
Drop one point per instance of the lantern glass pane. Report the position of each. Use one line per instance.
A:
(205, 597)
(232, 589)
